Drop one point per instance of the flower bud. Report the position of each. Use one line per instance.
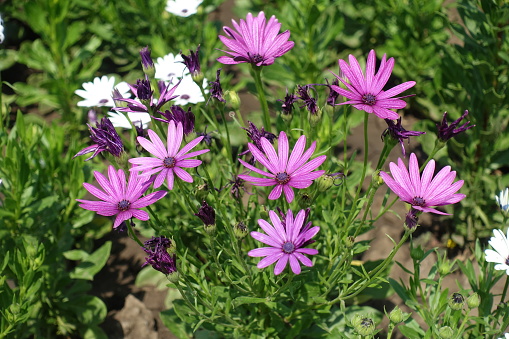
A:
(233, 99)
(147, 64)
(445, 267)
(473, 301)
(324, 182)
(417, 253)
(363, 325)
(349, 241)
(456, 301)
(376, 179)
(240, 230)
(264, 213)
(315, 118)
(445, 332)
(396, 316)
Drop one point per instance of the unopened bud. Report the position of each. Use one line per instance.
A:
(315, 118)
(456, 301)
(445, 332)
(396, 316)
(417, 253)
(376, 179)
(473, 301)
(232, 98)
(240, 230)
(324, 182)
(363, 325)
(201, 191)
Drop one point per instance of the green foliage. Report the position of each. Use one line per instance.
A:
(39, 222)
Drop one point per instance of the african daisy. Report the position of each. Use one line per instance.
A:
(284, 172)
(366, 91)
(169, 160)
(287, 239)
(119, 199)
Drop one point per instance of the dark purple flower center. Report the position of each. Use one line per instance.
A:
(369, 99)
(257, 58)
(123, 205)
(169, 162)
(507, 261)
(282, 178)
(184, 96)
(288, 247)
(418, 201)
(103, 101)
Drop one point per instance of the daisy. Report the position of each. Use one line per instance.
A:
(500, 252)
(285, 172)
(366, 91)
(169, 67)
(119, 199)
(255, 41)
(287, 239)
(98, 92)
(189, 92)
(503, 200)
(168, 160)
(121, 120)
(421, 192)
(183, 8)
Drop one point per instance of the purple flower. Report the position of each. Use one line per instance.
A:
(286, 239)
(421, 192)
(207, 137)
(256, 134)
(169, 160)
(177, 114)
(287, 106)
(119, 199)
(446, 131)
(105, 137)
(215, 88)
(255, 41)
(146, 61)
(366, 92)
(285, 172)
(144, 93)
(309, 101)
(398, 133)
(158, 256)
(333, 95)
(192, 62)
(206, 214)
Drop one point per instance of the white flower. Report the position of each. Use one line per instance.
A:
(2, 37)
(500, 254)
(183, 8)
(98, 92)
(169, 67)
(506, 336)
(189, 91)
(503, 200)
(119, 119)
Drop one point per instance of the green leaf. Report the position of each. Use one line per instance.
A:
(92, 264)
(248, 300)
(175, 324)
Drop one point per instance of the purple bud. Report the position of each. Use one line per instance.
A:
(446, 131)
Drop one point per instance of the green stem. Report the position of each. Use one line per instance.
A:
(261, 97)
(375, 272)
(353, 212)
(131, 233)
(505, 289)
